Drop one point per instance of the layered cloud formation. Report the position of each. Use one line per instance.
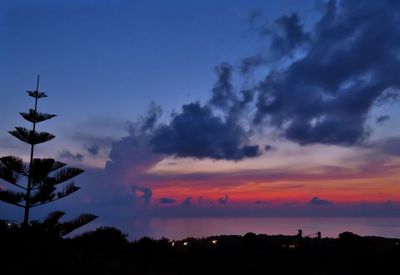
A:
(325, 81)
(197, 133)
(350, 63)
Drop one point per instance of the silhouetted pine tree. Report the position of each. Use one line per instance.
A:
(45, 177)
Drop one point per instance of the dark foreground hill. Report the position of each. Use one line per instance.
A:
(107, 251)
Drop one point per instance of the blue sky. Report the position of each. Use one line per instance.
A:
(111, 58)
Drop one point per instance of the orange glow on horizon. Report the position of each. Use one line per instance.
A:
(331, 173)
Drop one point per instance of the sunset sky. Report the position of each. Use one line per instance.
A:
(211, 108)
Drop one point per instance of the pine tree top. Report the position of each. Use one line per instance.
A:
(36, 94)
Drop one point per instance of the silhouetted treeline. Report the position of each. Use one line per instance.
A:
(107, 251)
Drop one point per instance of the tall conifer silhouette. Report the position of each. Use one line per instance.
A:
(45, 178)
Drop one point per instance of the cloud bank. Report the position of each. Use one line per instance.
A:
(350, 64)
(328, 79)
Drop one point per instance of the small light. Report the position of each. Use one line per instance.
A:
(214, 241)
(9, 224)
(186, 243)
(173, 243)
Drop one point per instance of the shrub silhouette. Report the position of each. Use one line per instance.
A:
(103, 238)
(45, 178)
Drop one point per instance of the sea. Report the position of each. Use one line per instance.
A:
(180, 228)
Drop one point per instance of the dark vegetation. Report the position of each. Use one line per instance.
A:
(107, 251)
(41, 180)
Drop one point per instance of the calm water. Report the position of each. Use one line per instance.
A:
(179, 228)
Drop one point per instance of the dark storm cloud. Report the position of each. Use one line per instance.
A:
(225, 98)
(197, 132)
(67, 155)
(149, 121)
(382, 119)
(250, 63)
(222, 93)
(288, 34)
(318, 201)
(210, 130)
(351, 63)
(167, 201)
